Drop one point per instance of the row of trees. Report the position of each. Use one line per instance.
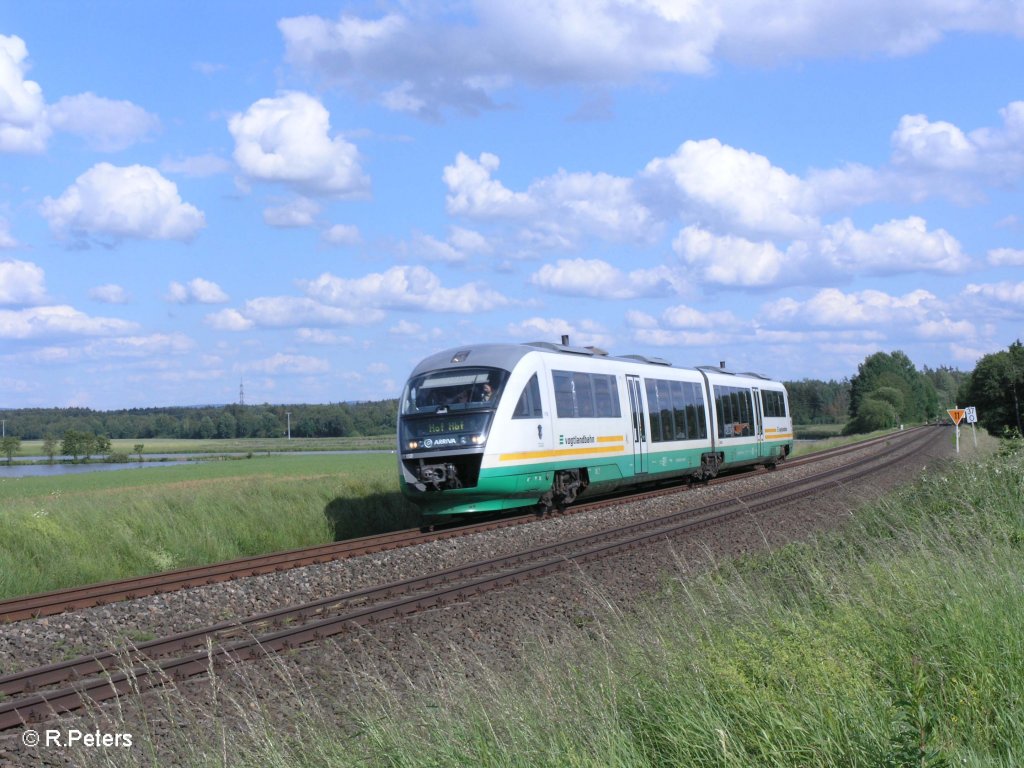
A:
(208, 422)
(888, 390)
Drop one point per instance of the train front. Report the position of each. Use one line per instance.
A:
(444, 419)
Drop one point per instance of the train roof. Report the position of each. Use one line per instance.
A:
(490, 355)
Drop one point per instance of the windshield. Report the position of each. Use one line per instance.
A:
(451, 390)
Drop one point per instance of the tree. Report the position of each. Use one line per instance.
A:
(893, 379)
(996, 387)
(50, 447)
(73, 444)
(10, 445)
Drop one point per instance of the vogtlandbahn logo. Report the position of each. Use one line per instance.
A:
(577, 440)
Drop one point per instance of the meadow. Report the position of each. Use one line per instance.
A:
(894, 642)
(69, 530)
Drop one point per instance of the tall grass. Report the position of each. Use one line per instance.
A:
(68, 531)
(896, 642)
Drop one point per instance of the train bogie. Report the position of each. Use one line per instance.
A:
(497, 427)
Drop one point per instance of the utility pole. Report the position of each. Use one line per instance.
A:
(289, 415)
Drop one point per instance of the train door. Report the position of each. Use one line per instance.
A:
(639, 422)
(758, 422)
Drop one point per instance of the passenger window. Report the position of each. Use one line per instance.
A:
(529, 406)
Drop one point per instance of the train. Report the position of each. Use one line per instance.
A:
(487, 428)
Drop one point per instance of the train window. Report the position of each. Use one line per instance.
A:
(461, 389)
(735, 412)
(654, 411)
(585, 395)
(676, 410)
(774, 404)
(529, 406)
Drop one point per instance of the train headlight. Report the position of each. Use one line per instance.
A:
(414, 444)
(477, 439)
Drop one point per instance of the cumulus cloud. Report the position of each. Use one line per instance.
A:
(403, 288)
(472, 191)
(903, 245)
(1006, 257)
(1003, 292)
(21, 282)
(105, 124)
(739, 189)
(287, 140)
(424, 61)
(196, 291)
(289, 312)
(831, 307)
(292, 364)
(23, 123)
(301, 212)
(130, 202)
(342, 234)
(599, 279)
(6, 239)
(56, 321)
(582, 333)
(109, 293)
(729, 260)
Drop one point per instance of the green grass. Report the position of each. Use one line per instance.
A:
(240, 445)
(896, 642)
(70, 530)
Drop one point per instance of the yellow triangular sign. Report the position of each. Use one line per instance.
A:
(956, 414)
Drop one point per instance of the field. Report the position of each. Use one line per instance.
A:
(69, 530)
(894, 642)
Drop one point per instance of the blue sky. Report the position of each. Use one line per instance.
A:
(308, 198)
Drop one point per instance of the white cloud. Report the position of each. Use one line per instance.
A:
(1003, 292)
(582, 333)
(342, 234)
(424, 61)
(23, 124)
(105, 124)
(135, 201)
(50, 321)
(288, 364)
(1006, 257)
(229, 320)
(289, 312)
(403, 288)
(287, 139)
(196, 291)
(597, 278)
(831, 307)
(897, 246)
(21, 282)
(300, 212)
(472, 191)
(736, 188)
(932, 145)
(729, 260)
(109, 293)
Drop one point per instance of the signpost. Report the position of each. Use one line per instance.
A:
(959, 414)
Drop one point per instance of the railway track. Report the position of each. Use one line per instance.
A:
(60, 601)
(38, 693)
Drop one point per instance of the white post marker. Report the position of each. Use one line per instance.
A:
(957, 415)
(971, 414)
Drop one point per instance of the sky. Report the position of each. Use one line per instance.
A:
(295, 202)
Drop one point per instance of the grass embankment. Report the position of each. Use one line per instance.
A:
(896, 642)
(71, 530)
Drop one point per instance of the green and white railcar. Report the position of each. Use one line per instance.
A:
(499, 426)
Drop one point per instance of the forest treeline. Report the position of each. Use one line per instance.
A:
(887, 390)
(207, 422)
